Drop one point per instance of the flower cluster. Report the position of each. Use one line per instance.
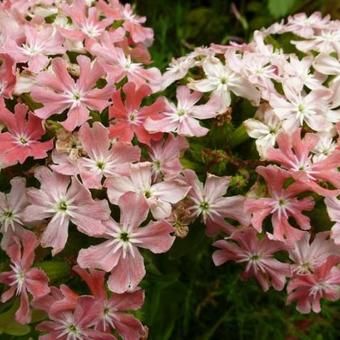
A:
(91, 149)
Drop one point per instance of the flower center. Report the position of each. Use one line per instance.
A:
(124, 236)
(147, 193)
(181, 112)
(204, 206)
(62, 206)
(100, 165)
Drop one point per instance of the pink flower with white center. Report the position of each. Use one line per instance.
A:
(294, 155)
(220, 80)
(209, 202)
(12, 206)
(309, 289)
(264, 127)
(129, 117)
(113, 315)
(308, 254)
(131, 22)
(304, 26)
(165, 154)
(103, 159)
(38, 45)
(75, 324)
(86, 20)
(183, 118)
(281, 204)
(158, 196)
(119, 254)
(118, 65)
(244, 246)
(64, 200)
(7, 75)
(333, 209)
(21, 140)
(23, 279)
(295, 108)
(58, 91)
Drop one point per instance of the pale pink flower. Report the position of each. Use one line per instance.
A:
(12, 206)
(63, 200)
(209, 202)
(333, 209)
(113, 315)
(165, 154)
(129, 116)
(294, 154)
(325, 146)
(58, 91)
(23, 279)
(264, 127)
(301, 69)
(66, 324)
(304, 26)
(21, 140)
(220, 80)
(184, 117)
(7, 75)
(244, 246)
(309, 289)
(281, 205)
(37, 46)
(308, 254)
(103, 159)
(330, 66)
(295, 108)
(119, 254)
(326, 41)
(158, 196)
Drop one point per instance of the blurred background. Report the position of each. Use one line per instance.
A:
(187, 297)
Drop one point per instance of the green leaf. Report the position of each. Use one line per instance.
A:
(280, 8)
(55, 270)
(8, 325)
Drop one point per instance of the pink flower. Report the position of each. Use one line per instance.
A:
(38, 45)
(294, 154)
(23, 279)
(165, 155)
(129, 117)
(7, 75)
(308, 255)
(244, 246)
(309, 289)
(12, 206)
(75, 324)
(119, 65)
(103, 159)
(86, 21)
(209, 202)
(64, 200)
(113, 315)
(183, 118)
(58, 91)
(131, 22)
(281, 204)
(22, 138)
(119, 254)
(158, 196)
